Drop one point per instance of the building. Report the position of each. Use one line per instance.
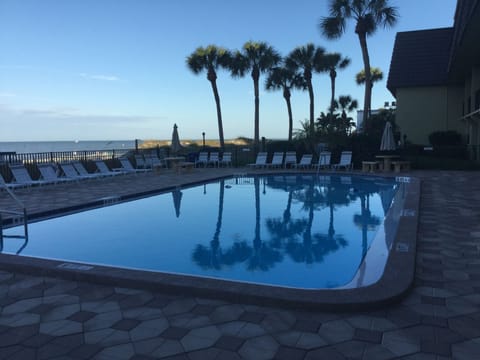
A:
(435, 78)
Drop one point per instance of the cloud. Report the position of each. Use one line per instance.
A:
(100, 77)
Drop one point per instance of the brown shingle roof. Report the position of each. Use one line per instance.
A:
(420, 58)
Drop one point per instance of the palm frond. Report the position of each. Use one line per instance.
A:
(332, 27)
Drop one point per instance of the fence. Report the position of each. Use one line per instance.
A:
(62, 156)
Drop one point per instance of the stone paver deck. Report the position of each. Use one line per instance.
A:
(50, 318)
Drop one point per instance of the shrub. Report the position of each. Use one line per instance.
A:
(445, 138)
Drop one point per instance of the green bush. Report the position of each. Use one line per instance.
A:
(445, 138)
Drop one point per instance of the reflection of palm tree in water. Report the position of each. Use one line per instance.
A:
(213, 257)
(285, 228)
(365, 220)
(264, 257)
(310, 251)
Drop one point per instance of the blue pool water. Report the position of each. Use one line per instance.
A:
(287, 230)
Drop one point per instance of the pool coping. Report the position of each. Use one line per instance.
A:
(394, 284)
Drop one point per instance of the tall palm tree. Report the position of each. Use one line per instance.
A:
(368, 15)
(210, 59)
(285, 79)
(309, 59)
(258, 58)
(334, 61)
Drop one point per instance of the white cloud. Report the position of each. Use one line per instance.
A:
(100, 77)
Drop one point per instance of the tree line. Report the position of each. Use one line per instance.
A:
(295, 71)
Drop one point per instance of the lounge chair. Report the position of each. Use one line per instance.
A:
(345, 161)
(9, 185)
(202, 159)
(305, 162)
(213, 159)
(290, 159)
(140, 162)
(323, 160)
(128, 167)
(21, 176)
(71, 173)
(152, 161)
(261, 160)
(103, 169)
(226, 159)
(48, 173)
(83, 172)
(277, 160)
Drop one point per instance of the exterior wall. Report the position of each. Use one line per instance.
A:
(455, 100)
(475, 88)
(422, 110)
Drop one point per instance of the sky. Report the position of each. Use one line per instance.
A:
(116, 69)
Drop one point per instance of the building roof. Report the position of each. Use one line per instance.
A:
(420, 58)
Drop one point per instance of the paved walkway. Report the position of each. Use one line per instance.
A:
(48, 318)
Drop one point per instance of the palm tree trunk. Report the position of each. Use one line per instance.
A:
(257, 112)
(332, 85)
(362, 36)
(312, 110)
(219, 114)
(286, 95)
(218, 227)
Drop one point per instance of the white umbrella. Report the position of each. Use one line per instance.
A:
(177, 198)
(388, 141)
(175, 146)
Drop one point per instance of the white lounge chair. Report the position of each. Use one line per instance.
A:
(103, 169)
(345, 161)
(48, 172)
(71, 173)
(290, 158)
(140, 162)
(323, 160)
(83, 172)
(152, 161)
(213, 159)
(202, 159)
(305, 162)
(128, 167)
(277, 160)
(261, 160)
(9, 185)
(226, 159)
(22, 176)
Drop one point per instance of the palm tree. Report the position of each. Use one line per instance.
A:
(210, 59)
(368, 16)
(334, 61)
(258, 58)
(285, 79)
(308, 58)
(376, 75)
(346, 104)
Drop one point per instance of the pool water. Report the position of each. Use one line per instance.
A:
(298, 231)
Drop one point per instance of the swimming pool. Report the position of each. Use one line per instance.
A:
(283, 230)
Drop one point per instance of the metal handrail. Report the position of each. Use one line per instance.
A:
(22, 213)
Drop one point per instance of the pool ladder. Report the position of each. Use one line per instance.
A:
(19, 216)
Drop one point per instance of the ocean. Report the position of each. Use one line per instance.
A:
(21, 147)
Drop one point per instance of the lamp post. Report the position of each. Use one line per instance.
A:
(203, 135)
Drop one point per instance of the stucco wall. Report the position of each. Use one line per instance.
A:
(420, 111)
